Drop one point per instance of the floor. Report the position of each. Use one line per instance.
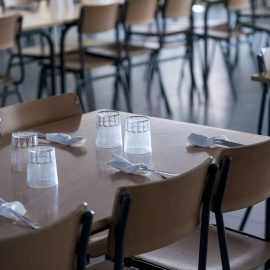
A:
(221, 110)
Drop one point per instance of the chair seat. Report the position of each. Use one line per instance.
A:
(72, 62)
(44, 51)
(97, 244)
(102, 265)
(5, 80)
(220, 32)
(136, 48)
(242, 249)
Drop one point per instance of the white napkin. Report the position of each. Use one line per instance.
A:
(65, 139)
(124, 165)
(204, 141)
(6, 206)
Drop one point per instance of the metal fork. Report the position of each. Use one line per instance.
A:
(158, 173)
(26, 220)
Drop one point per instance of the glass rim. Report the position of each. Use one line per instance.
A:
(23, 134)
(140, 118)
(41, 148)
(108, 112)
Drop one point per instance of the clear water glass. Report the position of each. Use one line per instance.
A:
(137, 135)
(21, 141)
(41, 167)
(108, 129)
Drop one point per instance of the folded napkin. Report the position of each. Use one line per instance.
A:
(204, 141)
(6, 206)
(65, 139)
(124, 165)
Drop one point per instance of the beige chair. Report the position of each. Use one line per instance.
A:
(10, 30)
(245, 180)
(225, 34)
(160, 213)
(60, 245)
(38, 112)
(93, 20)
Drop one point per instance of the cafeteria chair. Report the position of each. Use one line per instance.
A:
(228, 35)
(243, 180)
(38, 112)
(93, 20)
(138, 13)
(152, 215)
(59, 245)
(10, 31)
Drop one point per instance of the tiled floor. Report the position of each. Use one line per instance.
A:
(221, 110)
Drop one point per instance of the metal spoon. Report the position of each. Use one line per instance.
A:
(26, 220)
(158, 173)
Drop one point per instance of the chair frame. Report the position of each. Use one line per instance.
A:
(17, 83)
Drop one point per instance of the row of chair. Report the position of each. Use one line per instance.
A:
(153, 225)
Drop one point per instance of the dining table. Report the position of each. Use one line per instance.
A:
(85, 176)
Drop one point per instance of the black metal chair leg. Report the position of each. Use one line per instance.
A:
(116, 92)
(79, 90)
(260, 122)
(123, 80)
(20, 93)
(150, 77)
(244, 220)
(161, 85)
(4, 96)
(42, 81)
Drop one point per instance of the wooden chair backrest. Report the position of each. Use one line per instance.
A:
(140, 12)
(97, 19)
(38, 112)
(238, 4)
(248, 180)
(9, 29)
(177, 8)
(52, 247)
(160, 212)
(266, 58)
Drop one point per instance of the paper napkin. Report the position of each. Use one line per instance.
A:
(204, 141)
(6, 206)
(124, 165)
(66, 139)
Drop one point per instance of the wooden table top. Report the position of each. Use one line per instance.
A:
(47, 15)
(85, 176)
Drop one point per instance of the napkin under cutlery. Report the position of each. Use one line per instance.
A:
(204, 141)
(124, 165)
(5, 208)
(62, 138)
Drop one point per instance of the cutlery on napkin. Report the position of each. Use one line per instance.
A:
(62, 138)
(12, 209)
(124, 165)
(204, 141)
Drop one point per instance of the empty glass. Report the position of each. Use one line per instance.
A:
(137, 135)
(21, 141)
(41, 167)
(108, 129)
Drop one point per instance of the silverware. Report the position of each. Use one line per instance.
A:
(158, 173)
(39, 134)
(227, 143)
(26, 220)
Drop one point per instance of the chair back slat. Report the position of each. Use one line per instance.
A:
(248, 179)
(8, 31)
(51, 247)
(161, 212)
(177, 8)
(97, 19)
(38, 112)
(140, 12)
(266, 58)
(239, 4)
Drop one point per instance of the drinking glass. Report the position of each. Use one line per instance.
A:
(41, 167)
(21, 141)
(137, 135)
(108, 129)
